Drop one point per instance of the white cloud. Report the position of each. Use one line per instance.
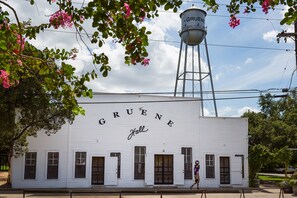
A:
(268, 69)
(270, 36)
(246, 109)
(234, 67)
(248, 61)
(217, 76)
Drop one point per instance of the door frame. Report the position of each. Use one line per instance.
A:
(226, 173)
(103, 171)
(170, 157)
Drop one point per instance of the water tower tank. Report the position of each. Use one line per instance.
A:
(193, 28)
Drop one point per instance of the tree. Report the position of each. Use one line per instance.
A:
(258, 156)
(234, 8)
(284, 156)
(25, 110)
(38, 87)
(275, 129)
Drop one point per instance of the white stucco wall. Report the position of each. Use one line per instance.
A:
(224, 137)
(219, 136)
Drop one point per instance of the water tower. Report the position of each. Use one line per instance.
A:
(195, 73)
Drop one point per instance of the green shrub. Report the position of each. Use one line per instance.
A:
(294, 175)
(293, 180)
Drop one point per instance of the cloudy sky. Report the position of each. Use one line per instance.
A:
(245, 61)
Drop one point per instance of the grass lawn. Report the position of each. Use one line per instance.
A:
(272, 178)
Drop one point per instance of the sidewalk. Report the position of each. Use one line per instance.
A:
(269, 194)
(264, 191)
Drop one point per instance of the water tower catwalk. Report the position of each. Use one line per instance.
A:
(195, 72)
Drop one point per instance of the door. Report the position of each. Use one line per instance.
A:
(111, 171)
(224, 170)
(163, 169)
(97, 170)
(237, 172)
(179, 173)
(149, 169)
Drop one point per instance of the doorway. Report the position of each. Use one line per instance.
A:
(224, 170)
(97, 170)
(163, 169)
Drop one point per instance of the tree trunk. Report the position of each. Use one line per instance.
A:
(286, 169)
(10, 155)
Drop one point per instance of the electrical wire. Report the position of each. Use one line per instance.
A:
(175, 100)
(209, 44)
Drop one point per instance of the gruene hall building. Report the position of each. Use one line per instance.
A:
(131, 140)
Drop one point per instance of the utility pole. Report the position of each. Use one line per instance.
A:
(293, 36)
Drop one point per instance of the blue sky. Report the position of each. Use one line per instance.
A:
(247, 57)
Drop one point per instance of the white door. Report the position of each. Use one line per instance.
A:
(236, 171)
(149, 169)
(179, 169)
(111, 171)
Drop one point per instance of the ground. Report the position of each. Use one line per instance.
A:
(264, 191)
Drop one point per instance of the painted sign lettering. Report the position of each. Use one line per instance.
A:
(135, 131)
(142, 112)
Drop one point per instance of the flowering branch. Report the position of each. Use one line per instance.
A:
(18, 23)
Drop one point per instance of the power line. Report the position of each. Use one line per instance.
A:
(210, 44)
(227, 16)
(176, 100)
(222, 4)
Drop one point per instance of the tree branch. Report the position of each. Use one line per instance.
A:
(18, 22)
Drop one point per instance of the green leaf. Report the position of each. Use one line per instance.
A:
(3, 45)
(167, 6)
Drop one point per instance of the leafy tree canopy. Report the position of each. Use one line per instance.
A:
(119, 20)
(273, 130)
(235, 7)
(38, 87)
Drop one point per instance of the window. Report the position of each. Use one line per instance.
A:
(210, 164)
(139, 162)
(118, 155)
(52, 165)
(30, 165)
(80, 164)
(187, 152)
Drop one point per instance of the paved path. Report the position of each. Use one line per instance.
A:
(262, 192)
(259, 193)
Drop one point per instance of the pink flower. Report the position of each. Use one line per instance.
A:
(234, 21)
(265, 6)
(145, 62)
(21, 42)
(142, 17)
(53, 1)
(4, 77)
(61, 18)
(81, 18)
(20, 62)
(133, 61)
(128, 10)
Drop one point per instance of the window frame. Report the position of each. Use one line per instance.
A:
(82, 165)
(53, 166)
(139, 162)
(188, 162)
(32, 165)
(210, 166)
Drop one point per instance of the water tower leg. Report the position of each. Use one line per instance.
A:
(200, 80)
(185, 69)
(177, 73)
(193, 72)
(211, 82)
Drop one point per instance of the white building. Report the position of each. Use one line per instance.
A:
(129, 140)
